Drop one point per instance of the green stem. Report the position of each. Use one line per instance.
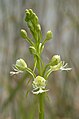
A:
(30, 72)
(39, 66)
(41, 96)
(30, 41)
(41, 106)
(43, 73)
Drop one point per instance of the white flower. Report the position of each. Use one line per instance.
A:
(57, 64)
(19, 67)
(39, 85)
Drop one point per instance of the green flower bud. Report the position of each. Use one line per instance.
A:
(23, 33)
(32, 50)
(41, 47)
(31, 11)
(33, 24)
(26, 10)
(28, 15)
(49, 35)
(20, 64)
(38, 27)
(36, 18)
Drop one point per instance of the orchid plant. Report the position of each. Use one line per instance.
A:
(36, 47)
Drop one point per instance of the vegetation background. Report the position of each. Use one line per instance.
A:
(60, 16)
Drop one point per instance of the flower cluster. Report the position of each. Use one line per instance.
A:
(36, 48)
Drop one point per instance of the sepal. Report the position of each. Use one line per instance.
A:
(20, 64)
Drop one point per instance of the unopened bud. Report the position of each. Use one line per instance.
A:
(23, 33)
(32, 50)
(38, 27)
(49, 35)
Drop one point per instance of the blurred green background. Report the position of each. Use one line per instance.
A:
(60, 16)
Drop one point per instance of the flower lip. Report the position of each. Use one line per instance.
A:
(39, 91)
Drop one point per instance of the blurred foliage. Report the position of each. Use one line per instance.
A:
(62, 17)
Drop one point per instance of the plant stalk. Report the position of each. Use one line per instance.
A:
(40, 96)
(41, 106)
